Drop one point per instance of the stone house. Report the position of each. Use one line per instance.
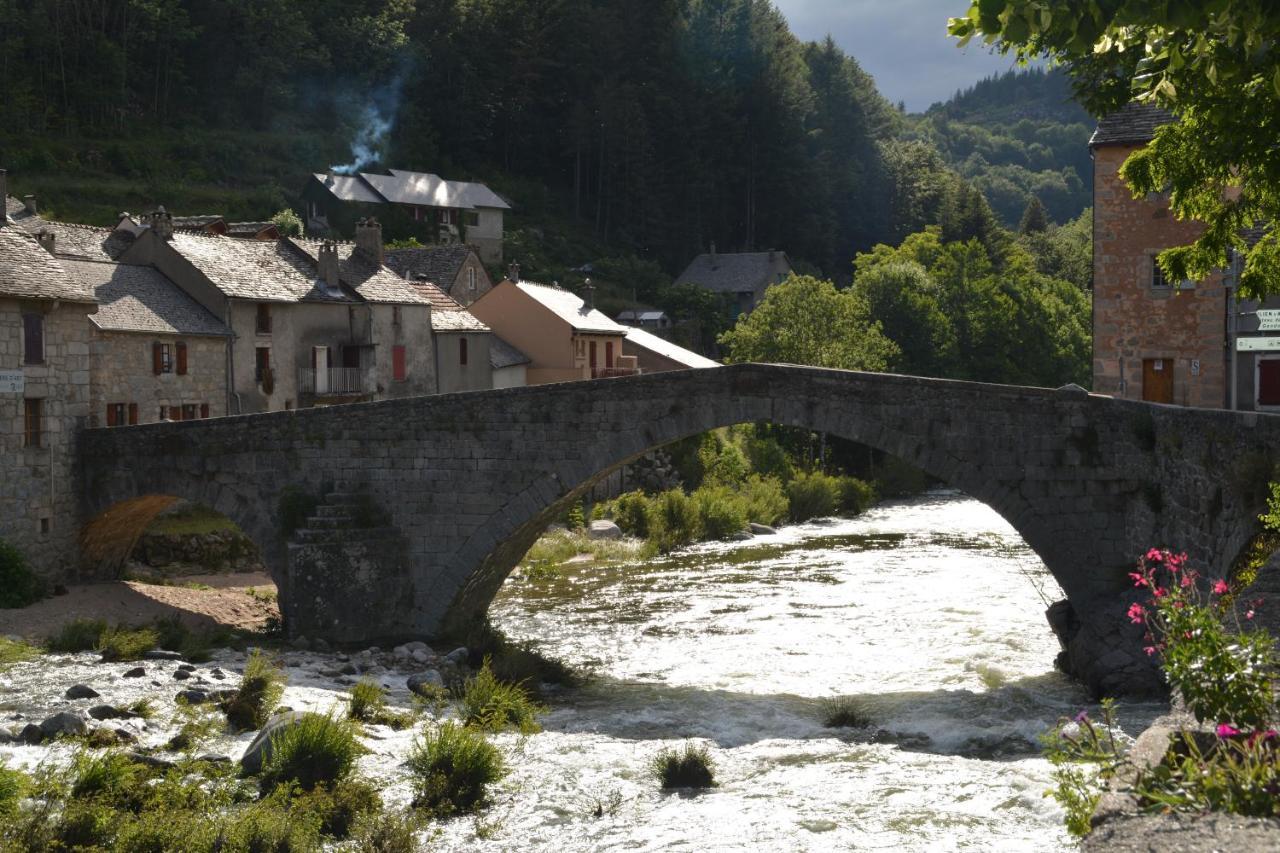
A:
(156, 353)
(416, 204)
(742, 277)
(462, 344)
(314, 322)
(44, 397)
(457, 270)
(1153, 339)
(564, 337)
(510, 366)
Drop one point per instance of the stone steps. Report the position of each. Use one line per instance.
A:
(308, 536)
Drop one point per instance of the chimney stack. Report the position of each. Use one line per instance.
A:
(161, 222)
(329, 265)
(589, 300)
(369, 240)
(29, 202)
(513, 272)
(46, 239)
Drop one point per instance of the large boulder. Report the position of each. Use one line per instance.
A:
(63, 723)
(426, 683)
(604, 529)
(81, 691)
(259, 750)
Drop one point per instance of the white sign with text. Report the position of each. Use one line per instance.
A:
(12, 381)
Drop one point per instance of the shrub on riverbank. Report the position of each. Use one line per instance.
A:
(13, 785)
(78, 635)
(317, 749)
(15, 651)
(258, 694)
(844, 712)
(368, 704)
(765, 500)
(19, 586)
(453, 767)
(489, 704)
(690, 767)
(673, 521)
(813, 495)
(721, 511)
(125, 644)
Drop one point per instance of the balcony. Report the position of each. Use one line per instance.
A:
(333, 382)
(611, 372)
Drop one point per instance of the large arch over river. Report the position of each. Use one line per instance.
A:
(402, 518)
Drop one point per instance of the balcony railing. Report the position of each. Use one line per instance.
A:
(610, 372)
(331, 381)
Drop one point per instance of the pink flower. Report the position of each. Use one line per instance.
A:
(1082, 717)
(1139, 579)
(1150, 650)
(1176, 560)
(1220, 587)
(1261, 735)
(1188, 579)
(1154, 555)
(1225, 730)
(1159, 592)
(1248, 614)
(1137, 613)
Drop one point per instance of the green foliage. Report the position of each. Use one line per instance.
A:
(1085, 754)
(721, 511)
(368, 704)
(856, 496)
(258, 694)
(287, 223)
(722, 461)
(15, 651)
(673, 521)
(518, 663)
(690, 767)
(317, 749)
(109, 776)
(844, 712)
(339, 806)
(631, 513)
(453, 767)
(124, 644)
(1199, 60)
(807, 321)
(272, 825)
(18, 584)
(13, 786)
(492, 705)
(78, 635)
(764, 500)
(767, 456)
(575, 519)
(1239, 775)
(387, 832)
(813, 495)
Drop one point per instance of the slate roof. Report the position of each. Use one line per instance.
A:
(734, 272)
(141, 299)
(15, 209)
(349, 188)
(1133, 123)
(641, 316)
(196, 222)
(271, 271)
(417, 188)
(503, 354)
(27, 271)
(439, 265)
(446, 314)
(85, 241)
(248, 229)
(653, 343)
(373, 282)
(571, 309)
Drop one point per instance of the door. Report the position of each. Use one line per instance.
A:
(592, 349)
(1157, 380)
(1268, 382)
(320, 361)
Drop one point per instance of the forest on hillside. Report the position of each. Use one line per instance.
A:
(659, 125)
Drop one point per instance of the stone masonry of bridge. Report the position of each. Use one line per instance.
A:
(450, 490)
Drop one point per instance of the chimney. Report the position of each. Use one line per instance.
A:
(329, 265)
(161, 222)
(589, 299)
(29, 202)
(45, 238)
(369, 240)
(513, 272)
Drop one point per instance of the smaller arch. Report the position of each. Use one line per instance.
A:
(108, 539)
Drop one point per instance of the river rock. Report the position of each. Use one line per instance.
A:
(31, 734)
(181, 675)
(761, 529)
(108, 712)
(149, 760)
(64, 723)
(136, 672)
(259, 750)
(186, 667)
(81, 691)
(420, 656)
(192, 697)
(162, 654)
(302, 644)
(215, 759)
(604, 529)
(742, 536)
(458, 656)
(417, 646)
(426, 682)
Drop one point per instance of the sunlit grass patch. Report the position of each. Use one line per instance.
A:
(690, 767)
(844, 712)
(260, 690)
(493, 705)
(453, 767)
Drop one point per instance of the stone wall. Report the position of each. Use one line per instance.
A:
(37, 488)
(1132, 321)
(122, 372)
(470, 480)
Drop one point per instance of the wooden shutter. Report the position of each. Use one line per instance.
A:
(204, 410)
(175, 413)
(133, 413)
(182, 358)
(592, 347)
(608, 354)
(397, 363)
(462, 351)
(33, 339)
(111, 414)
(157, 359)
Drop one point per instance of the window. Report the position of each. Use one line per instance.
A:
(133, 414)
(161, 358)
(448, 217)
(395, 315)
(592, 360)
(462, 351)
(33, 417)
(471, 278)
(175, 413)
(115, 414)
(264, 319)
(1158, 281)
(204, 410)
(1268, 382)
(182, 358)
(473, 219)
(164, 414)
(45, 525)
(262, 363)
(33, 339)
(608, 353)
(398, 372)
(190, 412)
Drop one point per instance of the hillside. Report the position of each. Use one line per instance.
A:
(1016, 135)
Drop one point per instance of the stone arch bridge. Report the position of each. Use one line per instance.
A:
(402, 518)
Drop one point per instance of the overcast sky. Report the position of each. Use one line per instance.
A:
(902, 43)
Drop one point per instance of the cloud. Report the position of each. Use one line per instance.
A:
(902, 43)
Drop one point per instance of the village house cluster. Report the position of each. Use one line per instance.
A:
(169, 318)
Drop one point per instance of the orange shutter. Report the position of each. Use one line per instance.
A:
(111, 414)
(182, 358)
(157, 359)
(133, 413)
(397, 363)
(204, 410)
(175, 413)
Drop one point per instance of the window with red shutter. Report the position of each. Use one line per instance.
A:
(592, 361)
(204, 410)
(111, 414)
(175, 413)
(608, 353)
(462, 351)
(182, 358)
(398, 371)
(33, 416)
(157, 359)
(133, 413)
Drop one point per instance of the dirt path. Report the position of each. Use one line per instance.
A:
(228, 603)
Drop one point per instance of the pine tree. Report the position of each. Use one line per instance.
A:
(1034, 219)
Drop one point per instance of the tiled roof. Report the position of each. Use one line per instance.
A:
(653, 343)
(27, 271)
(141, 299)
(438, 264)
(248, 229)
(503, 354)
(196, 222)
(571, 309)
(269, 271)
(374, 283)
(735, 272)
(1133, 123)
(85, 241)
(446, 314)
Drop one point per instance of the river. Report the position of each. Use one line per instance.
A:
(929, 612)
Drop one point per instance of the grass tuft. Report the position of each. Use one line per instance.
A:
(844, 712)
(259, 693)
(15, 651)
(319, 749)
(493, 705)
(78, 635)
(453, 767)
(368, 704)
(691, 767)
(124, 644)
